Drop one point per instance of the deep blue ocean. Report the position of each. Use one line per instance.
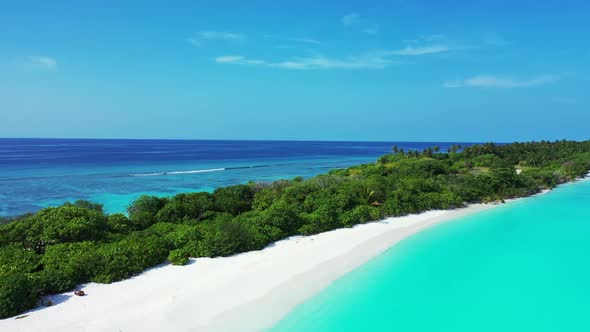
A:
(37, 173)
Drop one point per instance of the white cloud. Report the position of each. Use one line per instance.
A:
(369, 60)
(355, 19)
(434, 38)
(321, 62)
(317, 62)
(483, 81)
(220, 35)
(351, 19)
(304, 40)
(202, 36)
(194, 41)
(238, 60)
(229, 58)
(371, 31)
(428, 44)
(422, 50)
(43, 62)
(308, 40)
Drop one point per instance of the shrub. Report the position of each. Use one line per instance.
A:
(266, 195)
(186, 206)
(324, 218)
(223, 237)
(262, 231)
(13, 258)
(68, 264)
(489, 160)
(53, 281)
(121, 259)
(142, 212)
(360, 214)
(178, 257)
(161, 229)
(89, 205)
(13, 232)
(62, 224)
(175, 236)
(71, 224)
(185, 237)
(399, 203)
(542, 178)
(573, 170)
(283, 216)
(119, 223)
(17, 294)
(233, 199)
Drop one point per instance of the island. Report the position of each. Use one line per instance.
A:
(55, 249)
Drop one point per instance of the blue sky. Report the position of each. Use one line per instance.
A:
(412, 70)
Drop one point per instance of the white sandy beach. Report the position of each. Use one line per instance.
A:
(246, 292)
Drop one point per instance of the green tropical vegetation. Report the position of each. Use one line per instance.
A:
(57, 248)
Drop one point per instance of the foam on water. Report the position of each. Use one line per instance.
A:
(196, 171)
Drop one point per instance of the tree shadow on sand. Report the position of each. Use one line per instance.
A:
(55, 300)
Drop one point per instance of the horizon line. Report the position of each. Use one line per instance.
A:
(274, 140)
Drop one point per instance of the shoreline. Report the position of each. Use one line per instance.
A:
(282, 299)
(250, 291)
(245, 292)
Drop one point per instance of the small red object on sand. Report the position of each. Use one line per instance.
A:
(79, 293)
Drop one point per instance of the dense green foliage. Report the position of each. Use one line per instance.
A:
(57, 248)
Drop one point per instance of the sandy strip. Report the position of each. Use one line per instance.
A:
(246, 292)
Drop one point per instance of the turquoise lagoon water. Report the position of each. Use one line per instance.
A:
(523, 266)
